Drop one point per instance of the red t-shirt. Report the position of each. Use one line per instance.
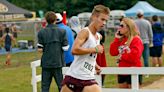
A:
(130, 57)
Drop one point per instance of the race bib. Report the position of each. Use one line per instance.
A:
(87, 67)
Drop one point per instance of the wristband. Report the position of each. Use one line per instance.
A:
(96, 49)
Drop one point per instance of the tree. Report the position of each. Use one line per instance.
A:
(73, 7)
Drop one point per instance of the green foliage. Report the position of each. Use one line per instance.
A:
(157, 3)
(73, 7)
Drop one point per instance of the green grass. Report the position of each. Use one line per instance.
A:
(17, 77)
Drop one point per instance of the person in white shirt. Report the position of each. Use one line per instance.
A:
(80, 76)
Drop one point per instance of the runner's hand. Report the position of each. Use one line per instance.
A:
(100, 48)
(98, 69)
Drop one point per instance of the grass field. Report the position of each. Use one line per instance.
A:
(17, 77)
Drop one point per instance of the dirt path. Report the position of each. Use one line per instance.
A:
(159, 84)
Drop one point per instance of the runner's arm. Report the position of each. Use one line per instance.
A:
(79, 41)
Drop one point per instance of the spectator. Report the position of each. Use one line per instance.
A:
(74, 23)
(1, 31)
(158, 36)
(52, 41)
(15, 30)
(128, 46)
(43, 23)
(146, 34)
(163, 48)
(8, 38)
(68, 57)
(80, 76)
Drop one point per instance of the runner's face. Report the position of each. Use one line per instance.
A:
(101, 20)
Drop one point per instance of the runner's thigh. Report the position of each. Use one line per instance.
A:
(92, 88)
(65, 89)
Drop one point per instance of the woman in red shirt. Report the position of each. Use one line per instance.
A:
(127, 45)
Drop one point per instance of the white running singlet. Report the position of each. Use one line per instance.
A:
(83, 66)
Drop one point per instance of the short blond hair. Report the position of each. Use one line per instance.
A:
(100, 9)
